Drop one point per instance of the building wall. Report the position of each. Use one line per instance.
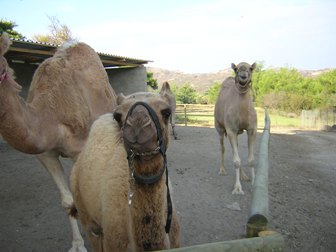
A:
(128, 80)
(23, 75)
(122, 80)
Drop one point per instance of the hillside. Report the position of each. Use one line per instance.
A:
(202, 81)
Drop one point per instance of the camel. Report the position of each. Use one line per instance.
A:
(120, 179)
(68, 92)
(234, 113)
(170, 98)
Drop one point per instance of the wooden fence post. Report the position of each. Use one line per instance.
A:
(185, 115)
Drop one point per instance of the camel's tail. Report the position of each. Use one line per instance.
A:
(73, 211)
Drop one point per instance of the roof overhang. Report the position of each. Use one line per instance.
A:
(35, 53)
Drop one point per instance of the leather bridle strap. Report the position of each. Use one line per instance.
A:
(162, 149)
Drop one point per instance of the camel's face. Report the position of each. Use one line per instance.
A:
(243, 72)
(139, 129)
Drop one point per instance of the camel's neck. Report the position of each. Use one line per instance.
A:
(19, 124)
(149, 213)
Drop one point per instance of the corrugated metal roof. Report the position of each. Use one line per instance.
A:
(29, 51)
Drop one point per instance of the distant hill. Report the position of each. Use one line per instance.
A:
(202, 81)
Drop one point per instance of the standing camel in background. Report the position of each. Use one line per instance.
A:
(234, 113)
(68, 93)
(169, 96)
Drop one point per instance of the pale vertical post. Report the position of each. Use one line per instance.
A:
(259, 208)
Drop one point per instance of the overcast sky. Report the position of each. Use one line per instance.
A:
(192, 36)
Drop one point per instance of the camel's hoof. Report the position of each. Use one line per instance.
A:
(238, 191)
(80, 248)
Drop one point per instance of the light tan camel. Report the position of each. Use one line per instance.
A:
(68, 92)
(120, 179)
(171, 100)
(234, 113)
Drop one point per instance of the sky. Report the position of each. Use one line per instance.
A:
(192, 36)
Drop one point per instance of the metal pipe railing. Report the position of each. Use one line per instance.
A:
(259, 212)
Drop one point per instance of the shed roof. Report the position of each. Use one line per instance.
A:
(34, 52)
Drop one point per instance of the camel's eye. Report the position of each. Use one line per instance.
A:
(166, 114)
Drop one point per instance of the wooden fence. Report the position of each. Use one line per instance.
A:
(203, 115)
(195, 114)
(318, 119)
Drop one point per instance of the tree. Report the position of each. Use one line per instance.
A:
(186, 94)
(213, 92)
(59, 33)
(8, 26)
(151, 81)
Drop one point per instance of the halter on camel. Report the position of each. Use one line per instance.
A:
(161, 148)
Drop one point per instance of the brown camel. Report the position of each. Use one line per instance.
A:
(169, 96)
(68, 92)
(234, 113)
(120, 179)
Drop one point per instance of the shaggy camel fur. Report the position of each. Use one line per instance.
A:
(169, 96)
(68, 92)
(119, 180)
(234, 113)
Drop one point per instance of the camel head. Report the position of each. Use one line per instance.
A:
(4, 45)
(140, 129)
(243, 73)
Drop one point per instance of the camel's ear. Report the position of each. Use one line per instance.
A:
(166, 114)
(5, 42)
(121, 97)
(234, 67)
(164, 96)
(254, 65)
(165, 85)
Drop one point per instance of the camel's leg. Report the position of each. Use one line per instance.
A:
(53, 165)
(222, 152)
(236, 160)
(174, 234)
(251, 136)
(172, 122)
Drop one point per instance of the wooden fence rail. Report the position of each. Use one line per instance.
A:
(195, 114)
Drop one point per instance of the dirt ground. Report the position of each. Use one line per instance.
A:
(302, 192)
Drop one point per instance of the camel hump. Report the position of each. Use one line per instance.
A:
(79, 55)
